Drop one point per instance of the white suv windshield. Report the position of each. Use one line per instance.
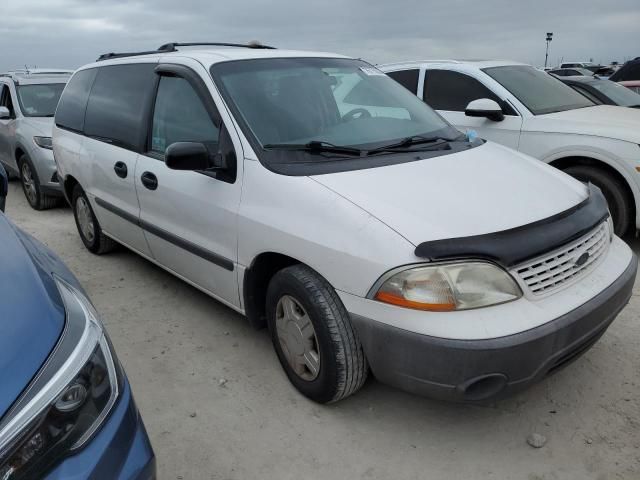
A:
(538, 91)
(342, 102)
(39, 100)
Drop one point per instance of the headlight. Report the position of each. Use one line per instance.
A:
(448, 287)
(68, 399)
(43, 142)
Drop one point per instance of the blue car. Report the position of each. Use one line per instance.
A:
(66, 408)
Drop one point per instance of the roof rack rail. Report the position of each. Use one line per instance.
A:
(171, 47)
(109, 56)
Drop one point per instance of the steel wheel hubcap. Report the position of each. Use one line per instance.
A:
(28, 183)
(297, 338)
(85, 219)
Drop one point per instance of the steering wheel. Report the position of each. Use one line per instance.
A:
(356, 113)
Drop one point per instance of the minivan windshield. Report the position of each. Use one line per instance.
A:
(540, 92)
(39, 100)
(335, 105)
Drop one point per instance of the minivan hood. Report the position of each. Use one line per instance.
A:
(482, 190)
(44, 125)
(31, 313)
(610, 121)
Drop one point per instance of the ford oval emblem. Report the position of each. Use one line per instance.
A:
(582, 259)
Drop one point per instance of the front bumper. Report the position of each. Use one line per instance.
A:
(120, 450)
(481, 370)
(47, 171)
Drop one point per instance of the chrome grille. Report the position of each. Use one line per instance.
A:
(561, 268)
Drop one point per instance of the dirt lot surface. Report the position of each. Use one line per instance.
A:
(218, 406)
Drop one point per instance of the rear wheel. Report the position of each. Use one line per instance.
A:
(31, 186)
(620, 205)
(313, 336)
(88, 226)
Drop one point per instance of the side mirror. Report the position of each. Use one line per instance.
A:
(4, 187)
(486, 108)
(4, 113)
(187, 156)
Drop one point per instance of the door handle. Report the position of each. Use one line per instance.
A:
(149, 180)
(121, 169)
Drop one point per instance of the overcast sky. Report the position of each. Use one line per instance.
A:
(70, 33)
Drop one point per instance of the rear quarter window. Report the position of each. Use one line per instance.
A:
(73, 102)
(118, 104)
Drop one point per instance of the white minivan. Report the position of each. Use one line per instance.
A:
(316, 196)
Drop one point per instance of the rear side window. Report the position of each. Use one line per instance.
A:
(118, 104)
(180, 116)
(407, 78)
(73, 103)
(453, 91)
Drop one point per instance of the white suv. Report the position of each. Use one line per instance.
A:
(533, 112)
(317, 196)
(28, 101)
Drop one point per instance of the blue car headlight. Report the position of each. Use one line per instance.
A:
(69, 398)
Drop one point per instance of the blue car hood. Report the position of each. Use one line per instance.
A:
(32, 315)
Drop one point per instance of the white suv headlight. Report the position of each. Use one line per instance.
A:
(44, 142)
(448, 287)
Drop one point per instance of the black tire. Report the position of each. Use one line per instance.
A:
(100, 243)
(31, 186)
(343, 366)
(620, 205)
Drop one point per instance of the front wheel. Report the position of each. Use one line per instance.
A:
(614, 192)
(313, 336)
(31, 186)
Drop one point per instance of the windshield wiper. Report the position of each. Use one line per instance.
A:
(411, 141)
(314, 146)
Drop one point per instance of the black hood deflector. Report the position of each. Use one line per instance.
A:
(516, 245)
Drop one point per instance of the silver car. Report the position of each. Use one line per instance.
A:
(28, 101)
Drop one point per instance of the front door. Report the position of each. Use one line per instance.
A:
(450, 92)
(189, 217)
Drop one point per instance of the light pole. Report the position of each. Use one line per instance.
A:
(546, 57)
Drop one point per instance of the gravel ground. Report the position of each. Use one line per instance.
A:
(218, 406)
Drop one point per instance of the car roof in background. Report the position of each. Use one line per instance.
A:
(474, 63)
(38, 76)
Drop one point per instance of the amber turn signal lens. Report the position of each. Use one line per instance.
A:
(401, 302)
